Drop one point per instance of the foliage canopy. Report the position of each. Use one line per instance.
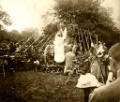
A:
(88, 15)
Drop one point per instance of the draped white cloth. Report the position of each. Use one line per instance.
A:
(59, 53)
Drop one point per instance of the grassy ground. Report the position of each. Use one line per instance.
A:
(39, 87)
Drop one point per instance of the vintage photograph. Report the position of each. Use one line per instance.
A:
(59, 50)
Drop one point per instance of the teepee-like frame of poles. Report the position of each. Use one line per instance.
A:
(83, 38)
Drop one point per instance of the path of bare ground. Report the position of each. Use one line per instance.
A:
(38, 87)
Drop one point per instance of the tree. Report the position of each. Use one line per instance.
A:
(88, 14)
(51, 28)
(4, 17)
(4, 20)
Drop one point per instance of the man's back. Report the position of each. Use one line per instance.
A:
(107, 93)
(69, 57)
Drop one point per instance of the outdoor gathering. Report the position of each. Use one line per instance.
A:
(59, 51)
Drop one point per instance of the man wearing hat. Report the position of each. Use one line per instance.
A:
(110, 92)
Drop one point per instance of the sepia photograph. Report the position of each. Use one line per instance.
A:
(59, 50)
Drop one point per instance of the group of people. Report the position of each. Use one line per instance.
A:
(111, 91)
(101, 88)
(101, 84)
(15, 56)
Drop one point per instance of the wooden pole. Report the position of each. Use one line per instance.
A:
(86, 38)
(79, 38)
(3, 70)
(83, 37)
(96, 36)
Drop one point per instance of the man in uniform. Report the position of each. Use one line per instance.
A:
(110, 92)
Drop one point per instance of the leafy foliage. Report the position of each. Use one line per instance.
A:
(4, 20)
(4, 17)
(51, 28)
(88, 14)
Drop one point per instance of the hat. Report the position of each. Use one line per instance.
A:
(87, 80)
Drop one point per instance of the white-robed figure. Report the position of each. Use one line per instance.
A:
(59, 55)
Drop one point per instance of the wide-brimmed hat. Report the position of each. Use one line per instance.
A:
(87, 80)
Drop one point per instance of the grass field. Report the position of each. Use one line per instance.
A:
(39, 87)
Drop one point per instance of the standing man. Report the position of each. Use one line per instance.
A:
(110, 92)
(69, 65)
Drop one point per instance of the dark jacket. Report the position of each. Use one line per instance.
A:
(107, 93)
